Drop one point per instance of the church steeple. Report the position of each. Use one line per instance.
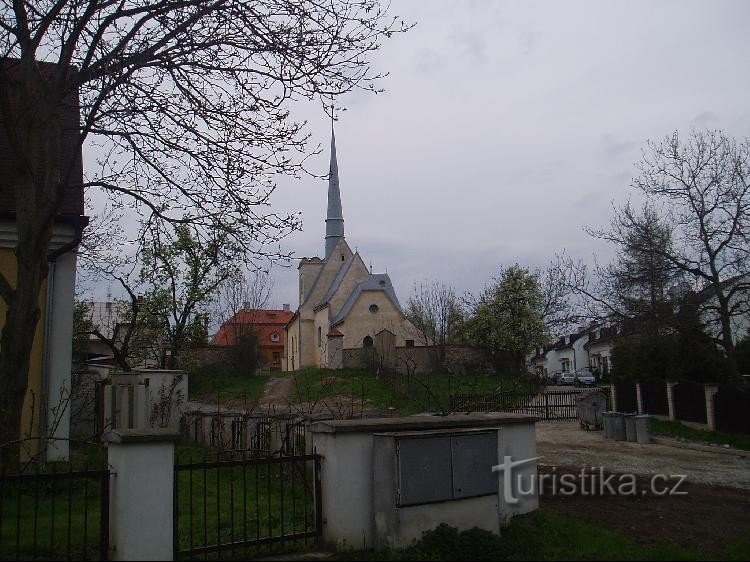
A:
(335, 217)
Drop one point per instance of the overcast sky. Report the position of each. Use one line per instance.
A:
(508, 126)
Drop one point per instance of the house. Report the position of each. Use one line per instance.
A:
(342, 304)
(46, 409)
(587, 349)
(267, 326)
(601, 341)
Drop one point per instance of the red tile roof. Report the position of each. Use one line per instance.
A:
(265, 325)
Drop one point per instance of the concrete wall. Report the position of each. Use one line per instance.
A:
(360, 481)
(423, 359)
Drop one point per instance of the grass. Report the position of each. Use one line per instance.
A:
(53, 519)
(420, 393)
(678, 430)
(231, 504)
(50, 518)
(542, 535)
(210, 382)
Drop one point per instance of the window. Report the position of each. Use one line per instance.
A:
(409, 343)
(565, 365)
(367, 342)
(320, 336)
(374, 308)
(275, 337)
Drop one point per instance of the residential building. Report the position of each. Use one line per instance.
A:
(267, 326)
(45, 412)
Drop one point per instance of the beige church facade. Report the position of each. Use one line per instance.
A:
(343, 305)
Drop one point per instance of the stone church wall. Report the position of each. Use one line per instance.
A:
(424, 359)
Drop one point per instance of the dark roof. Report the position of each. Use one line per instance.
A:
(70, 152)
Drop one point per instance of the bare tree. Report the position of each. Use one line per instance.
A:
(240, 293)
(436, 312)
(701, 187)
(170, 92)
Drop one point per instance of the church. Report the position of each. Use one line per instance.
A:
(343, 305)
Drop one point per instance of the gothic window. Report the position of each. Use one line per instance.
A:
(367, 342)
(320, 336)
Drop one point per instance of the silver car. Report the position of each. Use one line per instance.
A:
(585, 378)
(567, 378)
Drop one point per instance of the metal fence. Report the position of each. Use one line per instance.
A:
(256, 434)
(240, 507)
(54, 514)
(548, 406)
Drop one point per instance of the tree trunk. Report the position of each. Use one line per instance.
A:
(34, 136)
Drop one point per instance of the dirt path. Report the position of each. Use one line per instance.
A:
(277, 392)
(711, 516)
(564, 444)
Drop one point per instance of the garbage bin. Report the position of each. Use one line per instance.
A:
(630, 428)
(643, 429)
(618, 426)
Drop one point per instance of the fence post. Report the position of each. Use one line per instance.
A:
(613, 390)
(710, 390)
(670, 400)
(639, 398)
(141, 515)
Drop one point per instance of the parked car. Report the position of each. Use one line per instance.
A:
(567, 378)
(553, 378)
(585, 378)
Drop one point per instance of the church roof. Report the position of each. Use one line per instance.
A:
(335, 216)
(374, 282)
(336, 284)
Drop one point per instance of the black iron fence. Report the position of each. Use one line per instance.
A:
(240, 507)
(690, 402)
(54, 514)
(732, 410)
(547, 406)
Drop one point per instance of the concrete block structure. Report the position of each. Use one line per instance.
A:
(385, 481)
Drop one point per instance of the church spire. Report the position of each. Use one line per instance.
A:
(334, 218)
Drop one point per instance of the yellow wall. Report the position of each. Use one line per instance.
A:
(30, 415)
(360, 322)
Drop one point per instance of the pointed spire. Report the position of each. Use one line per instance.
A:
(335, 217)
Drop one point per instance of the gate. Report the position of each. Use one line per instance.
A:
(627, 398)
(548, 406)
(654, 396)
(690, 402)
(732, 410)
(49, 513)
(243, 507)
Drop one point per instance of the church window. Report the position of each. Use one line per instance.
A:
(367, 342)
(342, 257)
(409, 343)
(320, 336)
(382, 283)
(275, 337)
(374, 308)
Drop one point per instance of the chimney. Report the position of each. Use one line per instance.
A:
(287, 308)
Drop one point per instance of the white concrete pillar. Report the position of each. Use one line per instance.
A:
(141, 504)
(710, 390)
(639, 398)
(670, 400)
(58, 363)
(613, 403)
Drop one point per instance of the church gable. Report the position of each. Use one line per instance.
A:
(327, 274)
(346, 283)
